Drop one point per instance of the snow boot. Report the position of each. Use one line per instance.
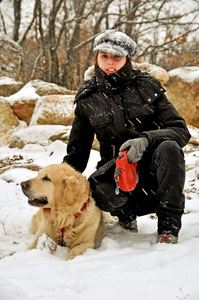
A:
(129, 225)
(167, 237)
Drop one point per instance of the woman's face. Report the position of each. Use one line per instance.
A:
(109, 62)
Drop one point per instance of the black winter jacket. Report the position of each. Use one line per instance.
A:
(117, 107)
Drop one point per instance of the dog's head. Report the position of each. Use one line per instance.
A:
(56, 186)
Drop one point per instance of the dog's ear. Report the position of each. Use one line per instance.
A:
(71, 189)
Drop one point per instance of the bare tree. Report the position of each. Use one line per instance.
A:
(73, 57)
(64, 31)
(17, 19)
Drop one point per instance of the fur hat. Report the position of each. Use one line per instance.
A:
(115, 42)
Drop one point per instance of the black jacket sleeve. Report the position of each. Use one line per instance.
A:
(80, 141)
(172, 125)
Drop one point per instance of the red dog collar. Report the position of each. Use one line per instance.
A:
(82, 209)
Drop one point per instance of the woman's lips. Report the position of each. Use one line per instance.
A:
(110, 70)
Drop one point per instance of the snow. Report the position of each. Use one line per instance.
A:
(8, 80)
(188, 74)
(25, 93)
(125, 266)
(115, 42)
(40, 134)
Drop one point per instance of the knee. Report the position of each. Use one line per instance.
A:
(106, 198)
(170, 148)
(169, 151)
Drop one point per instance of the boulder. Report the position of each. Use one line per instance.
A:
(4, 139)
(24, 109)
(23, 102)
(194, 131)
(43, 88)
(9, 86)
(8, 121)
(53, 110)
(10, 57)
(182, 90)
(42, 135)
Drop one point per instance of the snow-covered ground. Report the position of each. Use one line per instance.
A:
(125, 266)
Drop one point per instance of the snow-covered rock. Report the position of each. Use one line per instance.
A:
(24, 101)
(187, 74)
(194, 131)
(9, 86)
(183, 91)
(41, 134)
(53, 110)
(8, 120)
(10, 57)
(43, 88)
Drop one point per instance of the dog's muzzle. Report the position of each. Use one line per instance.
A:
(33, 201)
(38, 202)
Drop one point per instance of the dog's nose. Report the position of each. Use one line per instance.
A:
(25, 184)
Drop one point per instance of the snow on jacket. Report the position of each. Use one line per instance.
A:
(124, 105)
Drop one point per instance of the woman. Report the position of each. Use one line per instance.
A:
(127, 109)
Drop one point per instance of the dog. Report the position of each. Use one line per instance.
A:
(67, 212)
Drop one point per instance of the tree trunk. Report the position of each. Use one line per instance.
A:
(17, 19)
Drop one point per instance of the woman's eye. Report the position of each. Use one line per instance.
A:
(46, 178)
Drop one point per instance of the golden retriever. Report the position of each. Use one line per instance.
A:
(67, 213)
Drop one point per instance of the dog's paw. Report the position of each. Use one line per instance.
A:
(45, 242)
(108, 219)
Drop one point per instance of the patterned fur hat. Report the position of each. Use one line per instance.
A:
(115, 42)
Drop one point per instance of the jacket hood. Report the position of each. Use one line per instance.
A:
(145, 75)
(114, 81)
(158, 73)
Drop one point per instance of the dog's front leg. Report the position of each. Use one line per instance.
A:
(34, 244)
(79, 249)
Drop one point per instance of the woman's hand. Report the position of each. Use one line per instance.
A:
(136, 149)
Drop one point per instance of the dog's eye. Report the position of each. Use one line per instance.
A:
(46, 178)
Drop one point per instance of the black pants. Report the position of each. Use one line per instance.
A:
(159, 190)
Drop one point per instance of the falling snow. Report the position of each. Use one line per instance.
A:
(126, 265)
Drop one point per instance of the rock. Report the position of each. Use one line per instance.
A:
(182, 90)
(157, 72)
(43, 88)
(10, 57)
(41, 134)
(54, 110)
(24, 109)
(4, 139)
(23, 102)
(9, 86)
(194, 135)
(8, 121)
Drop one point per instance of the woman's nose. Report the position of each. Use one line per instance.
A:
(110, 61)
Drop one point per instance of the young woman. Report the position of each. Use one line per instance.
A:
(127, 109)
